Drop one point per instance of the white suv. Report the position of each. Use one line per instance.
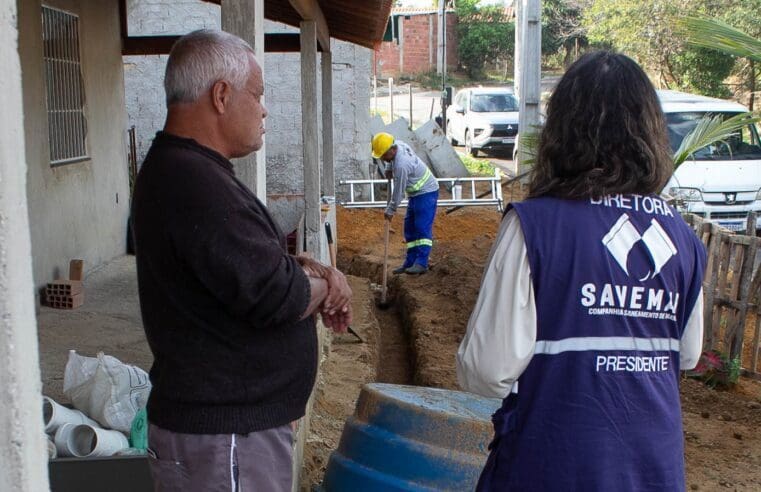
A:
(483, 118)
(721, 182)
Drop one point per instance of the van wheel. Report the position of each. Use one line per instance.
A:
(469, 145)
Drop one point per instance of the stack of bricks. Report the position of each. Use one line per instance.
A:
(67, 294)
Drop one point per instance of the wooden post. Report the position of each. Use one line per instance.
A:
(709, 288)
(328, 172)
(743, 292)
(750, 225)
(310, 135)
(245, 19)
(22, 440)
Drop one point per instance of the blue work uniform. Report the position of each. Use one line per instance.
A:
(597, 408)
(412, 176)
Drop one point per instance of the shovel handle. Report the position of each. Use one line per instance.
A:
(384, 288)
(384, 285)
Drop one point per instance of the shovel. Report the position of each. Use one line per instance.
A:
(383, 303)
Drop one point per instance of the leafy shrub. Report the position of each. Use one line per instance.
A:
(716, 370)
(483, 36)
(477, 167)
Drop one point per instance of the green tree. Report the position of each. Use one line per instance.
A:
(646, 30)
(745, 15)
(562, 28)
(484, 35)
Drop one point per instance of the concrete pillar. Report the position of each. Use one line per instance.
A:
(531, 77)
(309, 132)
(440, 59)
(245, 19)
(328, 164)
(23, 452)
(517, 57)
(328, 161)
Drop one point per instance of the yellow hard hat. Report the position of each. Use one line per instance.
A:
(381, 143)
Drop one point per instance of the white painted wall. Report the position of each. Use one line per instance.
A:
(78, 210)
(23, 453)
(282, 73)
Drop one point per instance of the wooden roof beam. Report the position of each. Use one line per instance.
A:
(310, 10)
(285, 42)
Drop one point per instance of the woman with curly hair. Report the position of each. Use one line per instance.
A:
(591, 302)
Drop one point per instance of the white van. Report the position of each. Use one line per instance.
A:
(721, 182)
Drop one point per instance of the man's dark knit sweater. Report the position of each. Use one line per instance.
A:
(220, 297)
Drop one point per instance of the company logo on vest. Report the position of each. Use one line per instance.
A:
(623, 237)
(642, 257)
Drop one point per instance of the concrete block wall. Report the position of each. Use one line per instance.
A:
(351, 86)
(144, 75)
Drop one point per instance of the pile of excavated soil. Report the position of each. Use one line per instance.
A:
(722, 445)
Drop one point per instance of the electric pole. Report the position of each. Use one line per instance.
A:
(531, 72)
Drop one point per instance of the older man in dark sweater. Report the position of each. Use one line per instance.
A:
(228, 314)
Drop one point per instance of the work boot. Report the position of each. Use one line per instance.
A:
(416, 269)
(397, 271)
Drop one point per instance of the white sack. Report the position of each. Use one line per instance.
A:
(106, 389)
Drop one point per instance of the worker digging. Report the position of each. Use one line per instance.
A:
(412, 176)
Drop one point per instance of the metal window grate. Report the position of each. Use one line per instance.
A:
(67, 126)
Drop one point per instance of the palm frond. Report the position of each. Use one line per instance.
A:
(710, 130)
(529, 143)
(716, 35)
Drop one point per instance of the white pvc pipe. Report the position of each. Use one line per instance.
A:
(55, 415)
(88, 441)
(61, 437)
(52, 451)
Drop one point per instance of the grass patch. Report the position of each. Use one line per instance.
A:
(476, 166)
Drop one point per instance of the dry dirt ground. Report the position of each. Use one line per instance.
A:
(723, 449)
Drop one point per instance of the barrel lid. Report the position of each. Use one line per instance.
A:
(451, 419)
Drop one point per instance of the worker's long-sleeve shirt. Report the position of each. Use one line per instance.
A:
(411, 175)
(501, 334)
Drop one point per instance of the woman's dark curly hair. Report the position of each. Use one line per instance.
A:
(605, 133)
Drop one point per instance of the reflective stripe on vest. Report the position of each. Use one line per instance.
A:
(420, 242)
(420, 183)
(581, 344)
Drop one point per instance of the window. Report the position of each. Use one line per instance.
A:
(67, 127)
(494, 103)
(744, 145)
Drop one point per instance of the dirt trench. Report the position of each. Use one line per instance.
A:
(722, 444)
(348, 364)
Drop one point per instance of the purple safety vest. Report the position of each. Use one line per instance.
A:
(597, 408)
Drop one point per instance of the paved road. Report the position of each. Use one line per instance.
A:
(424, 102)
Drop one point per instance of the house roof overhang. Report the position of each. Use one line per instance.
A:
(361, 23)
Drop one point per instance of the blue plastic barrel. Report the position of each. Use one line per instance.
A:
(413, 439)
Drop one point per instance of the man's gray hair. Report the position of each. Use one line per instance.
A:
(200, 59)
